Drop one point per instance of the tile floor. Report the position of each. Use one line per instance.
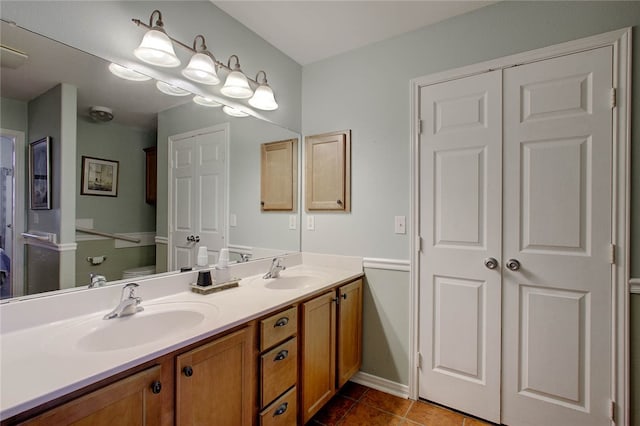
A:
(359, 405)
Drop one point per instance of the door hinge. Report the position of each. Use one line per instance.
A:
(612, 254)
(419, 243)
(612, 410)
(420, 124)
(418, 360)
(613, 100)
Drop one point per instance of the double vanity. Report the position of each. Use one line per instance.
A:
(271, 351)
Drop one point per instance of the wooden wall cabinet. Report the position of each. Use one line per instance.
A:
(279, 175)
(214, 382)
(151, 174)
(328, 171)
(135, 400)
(331, 345)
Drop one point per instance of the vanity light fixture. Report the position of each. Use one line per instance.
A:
(204, 101)
(234, 112)
(156, 47)
(236, 86)
(203, 66)
(171, 90)
(263, 96)
(127, 73)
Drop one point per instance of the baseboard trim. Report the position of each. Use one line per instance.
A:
(387, 264)
(634, 285)
(161, 240)
(381, 384)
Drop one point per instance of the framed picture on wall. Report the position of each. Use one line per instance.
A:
(40, 174)
(99, 177)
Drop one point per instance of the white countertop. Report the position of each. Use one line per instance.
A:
(40, 363)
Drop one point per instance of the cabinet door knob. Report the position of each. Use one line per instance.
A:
(339, 202)
(187, 371)
(336, 300)
(281, 355)
(281, 322)
(344, 296)
(281, 409)
(156, 387)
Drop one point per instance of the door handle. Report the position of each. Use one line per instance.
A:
(513, 264)
(491, 263)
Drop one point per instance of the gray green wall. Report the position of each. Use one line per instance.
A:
(13, 115)
(372, 86)
(128, 212)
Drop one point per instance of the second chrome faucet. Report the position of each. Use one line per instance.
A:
(129, 303)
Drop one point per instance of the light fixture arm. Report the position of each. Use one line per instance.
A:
(264, 81)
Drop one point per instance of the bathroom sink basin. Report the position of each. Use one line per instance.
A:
(155, 322)
(289, 280)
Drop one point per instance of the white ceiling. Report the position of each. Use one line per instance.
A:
(308, 31)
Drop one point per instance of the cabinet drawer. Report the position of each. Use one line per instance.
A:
(278, 327)
(279, 370)
(282, 412)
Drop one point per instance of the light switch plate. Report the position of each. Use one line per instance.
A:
(311, 223)
(400, 225)
(233, 219)
(293, 219)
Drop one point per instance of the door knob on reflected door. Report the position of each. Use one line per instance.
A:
(513, 264)
(491, 263)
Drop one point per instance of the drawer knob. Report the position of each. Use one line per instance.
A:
(281, 355)
(281, 409)
(187, 371)
(156, 387)
(281, 322)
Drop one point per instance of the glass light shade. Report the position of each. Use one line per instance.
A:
(263, 98)
(234, 112)
(156, 49)
(237, 86)
(127, 73)
(201, 100)
(168, 89)
(201, 69)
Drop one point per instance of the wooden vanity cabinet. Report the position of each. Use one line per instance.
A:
(135, 400)
(331, 346)
(214, 382)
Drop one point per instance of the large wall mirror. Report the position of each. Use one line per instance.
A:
(148, 127)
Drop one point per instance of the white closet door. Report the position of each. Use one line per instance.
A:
(557, 225)
(460, 224)
(199, 195)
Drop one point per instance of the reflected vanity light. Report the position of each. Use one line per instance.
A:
(168, 89)
(127, 73)
(156, 47)
(208, 102)
(203, 67)
(234, 112)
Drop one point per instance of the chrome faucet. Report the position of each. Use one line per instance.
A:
(128, 303)
(97, 280)
(274, 270)
(245, 257)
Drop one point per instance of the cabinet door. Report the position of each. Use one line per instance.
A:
(214, 383)
(349, 331)
(328, 171)
(318, 353)
(128, 402)
(279, 175)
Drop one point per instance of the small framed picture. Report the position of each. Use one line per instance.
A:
(99, 177)
(40, 174)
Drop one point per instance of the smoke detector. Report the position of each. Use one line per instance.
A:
(101, 113)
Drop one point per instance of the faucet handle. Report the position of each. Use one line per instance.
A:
(132, 291)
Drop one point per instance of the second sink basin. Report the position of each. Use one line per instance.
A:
(155, 322)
